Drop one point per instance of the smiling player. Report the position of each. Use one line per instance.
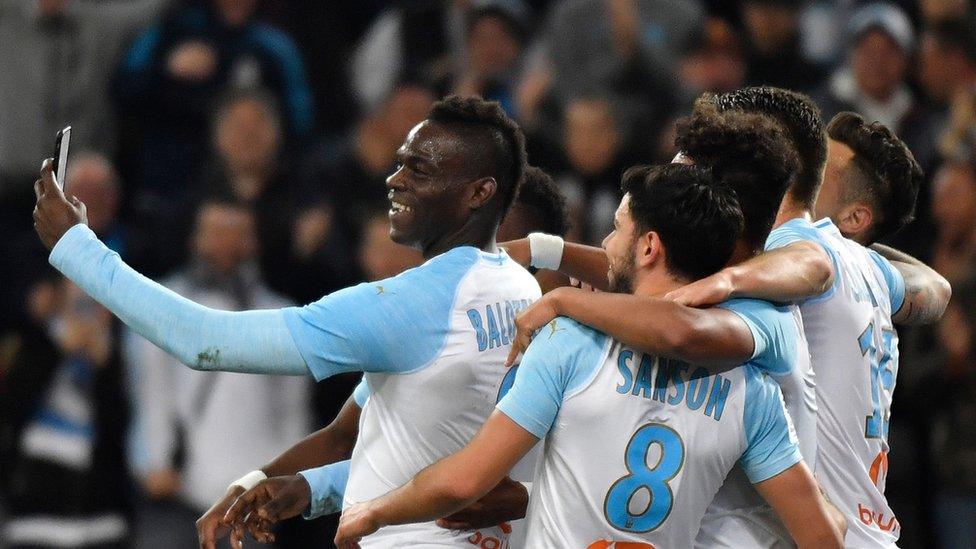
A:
(432, 340)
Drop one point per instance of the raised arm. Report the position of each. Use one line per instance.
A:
(201, 338)
(582, 262)
(792, 273)
(654, 325)
(811, 519)
(446, 486)
(927, 292)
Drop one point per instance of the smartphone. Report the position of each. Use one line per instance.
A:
(61, 155)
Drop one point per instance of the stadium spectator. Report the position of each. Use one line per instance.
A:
(952, 434)
(873, 83)
(186, 448)
(716, 64)
(302, 252)
(173, 73)
(352, 171)
(773, 53)
(493, 41)
(421, 40)
(947, 61)
(56, 58)
(63, 418)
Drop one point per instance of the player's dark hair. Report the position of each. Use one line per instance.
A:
(957, 35)
(544, 203)
(496, 145)
(801, 120)
(698, 220)
(883, 172)
(747, 152)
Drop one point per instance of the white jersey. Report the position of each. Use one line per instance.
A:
(433, 342)
(636, 446)
(854, 349)
(739, 518)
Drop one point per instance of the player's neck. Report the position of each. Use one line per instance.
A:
(656, 283)
(471, 234)
(791, 209)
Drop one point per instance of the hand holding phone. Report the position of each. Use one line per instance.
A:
(61, 155)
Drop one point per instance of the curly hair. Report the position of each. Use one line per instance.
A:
(747, 152)
(540, 194)
(698, 220)
(884, 172)
(494, 141)
(801, 120)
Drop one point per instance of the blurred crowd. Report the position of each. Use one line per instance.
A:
(236, 150)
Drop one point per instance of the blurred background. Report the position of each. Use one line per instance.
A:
(236, 151)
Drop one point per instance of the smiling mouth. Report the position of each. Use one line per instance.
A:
(397, 207)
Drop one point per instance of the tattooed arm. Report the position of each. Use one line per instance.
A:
(927, 293)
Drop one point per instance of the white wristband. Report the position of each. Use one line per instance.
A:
(249, 480)
(545, 250)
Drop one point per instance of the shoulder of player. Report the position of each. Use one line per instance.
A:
(568, 337)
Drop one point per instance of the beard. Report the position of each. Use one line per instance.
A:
(621, 279)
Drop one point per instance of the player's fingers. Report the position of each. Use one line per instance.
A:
(238, 508)
(449, 524)
(47, 179)
(38, 189)
(513, 353)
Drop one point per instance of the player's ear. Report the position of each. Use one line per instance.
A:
(855, 219)
(481, 192)
(648, 249)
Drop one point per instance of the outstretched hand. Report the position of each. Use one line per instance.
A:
(355, 523)
(54, 214)
(267, 503)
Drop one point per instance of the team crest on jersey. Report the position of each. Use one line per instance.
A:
(607, 544)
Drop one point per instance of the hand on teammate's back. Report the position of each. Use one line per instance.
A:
(53, 213)
(702, 293)
(267, 503)
(209, 526)
(529, 321)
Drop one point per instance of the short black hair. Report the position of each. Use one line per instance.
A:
(955, 34)
(497, 145)
(546, 204)
(885, 172)
(698, 220)
(801, 120)
(747, 152)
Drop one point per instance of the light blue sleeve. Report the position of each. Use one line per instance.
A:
(327, 485)
(894, 280)
(396, 325)
(361, 393)
(774, 333)
(771, 446)
(563, 356)
(256, 342)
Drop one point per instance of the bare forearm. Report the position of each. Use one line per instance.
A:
(798, 271)
(660, 327)
(330, 444)
(892, 254)
(585, 263)
(927, 292)
(432, 494)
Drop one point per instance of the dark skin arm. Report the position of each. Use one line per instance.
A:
(285, 493)
(927, 293)
(654, 325)
(582, 262)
